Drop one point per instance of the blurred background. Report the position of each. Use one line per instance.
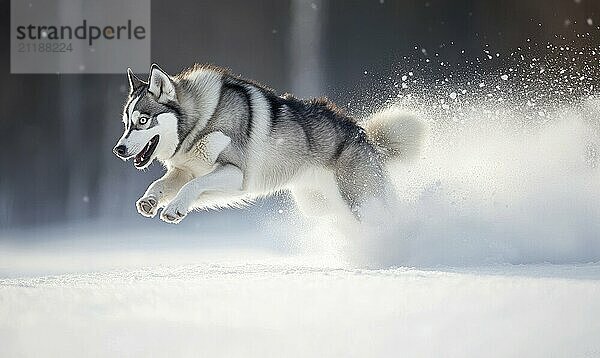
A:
(57, 131)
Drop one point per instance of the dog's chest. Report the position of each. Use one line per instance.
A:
(200, 159)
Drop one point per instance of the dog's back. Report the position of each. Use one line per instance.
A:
(311, 146)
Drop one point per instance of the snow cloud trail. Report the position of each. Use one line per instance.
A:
(497, 187)
(504, 183)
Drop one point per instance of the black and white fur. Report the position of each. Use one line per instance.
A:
(225, 141)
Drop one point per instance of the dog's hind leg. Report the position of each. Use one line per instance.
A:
(312, 203)
(316, 194)
(361, 179)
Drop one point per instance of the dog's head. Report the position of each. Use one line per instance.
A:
(150, 116)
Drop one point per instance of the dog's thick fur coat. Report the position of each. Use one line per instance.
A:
(225, 141)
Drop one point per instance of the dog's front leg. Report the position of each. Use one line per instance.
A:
(227, 179)
(162, 191)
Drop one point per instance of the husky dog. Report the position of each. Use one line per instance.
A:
(225, 141)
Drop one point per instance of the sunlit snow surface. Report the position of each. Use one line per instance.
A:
(273, 307)
(81, 299)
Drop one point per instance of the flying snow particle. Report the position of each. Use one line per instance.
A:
(482, 85)
(453, 95)
(504, 77)
(590, 21)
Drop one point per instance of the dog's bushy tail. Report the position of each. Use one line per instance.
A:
(398, 134)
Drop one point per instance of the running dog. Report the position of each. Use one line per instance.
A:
(226, 141)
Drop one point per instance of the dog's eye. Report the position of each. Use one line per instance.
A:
(143, 120)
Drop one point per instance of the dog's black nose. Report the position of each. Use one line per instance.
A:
(120, 150)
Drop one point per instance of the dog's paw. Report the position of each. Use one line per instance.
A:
(147, 206)
(174, 212)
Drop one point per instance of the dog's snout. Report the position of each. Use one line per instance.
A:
(120, 150)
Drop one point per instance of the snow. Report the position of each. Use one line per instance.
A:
(260, 304)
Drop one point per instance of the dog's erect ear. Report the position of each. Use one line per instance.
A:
(134, 82)
(161, 85)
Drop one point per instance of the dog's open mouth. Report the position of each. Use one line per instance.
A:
(144, 156)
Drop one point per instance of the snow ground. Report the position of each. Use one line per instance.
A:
(231, 303)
